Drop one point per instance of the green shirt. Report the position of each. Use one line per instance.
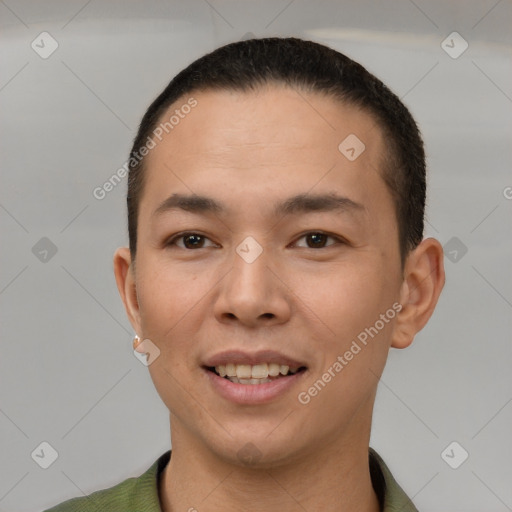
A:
(141, 494)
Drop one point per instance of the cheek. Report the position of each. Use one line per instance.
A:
(172, 316)
(348, 306)
(347, 298)
(349, 330)
(168, 297)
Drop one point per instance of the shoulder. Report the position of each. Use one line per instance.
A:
(391, 496)
(137, 493)
(115, 498)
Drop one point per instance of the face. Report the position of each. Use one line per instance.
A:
(290, 259)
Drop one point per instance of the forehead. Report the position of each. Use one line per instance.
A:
(270, 115)
(275, 139)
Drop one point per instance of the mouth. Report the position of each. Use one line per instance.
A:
(257, 374)
(255, 378)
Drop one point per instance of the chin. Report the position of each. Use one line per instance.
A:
(255, 451)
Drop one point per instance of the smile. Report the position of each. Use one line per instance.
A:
(254, 374)
(255, 378)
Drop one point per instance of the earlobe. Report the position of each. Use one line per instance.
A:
(125, 279)
(424, 279)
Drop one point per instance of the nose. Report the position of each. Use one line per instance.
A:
(253, 294)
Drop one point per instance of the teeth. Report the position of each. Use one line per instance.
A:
(249, 381)
(273, 369)
(255, 374)
(230, 370)
(243, 371)
(259, 371)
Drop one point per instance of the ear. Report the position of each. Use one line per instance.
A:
(125, 278)
(423, 281)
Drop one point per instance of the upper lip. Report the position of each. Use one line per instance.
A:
(260, 357)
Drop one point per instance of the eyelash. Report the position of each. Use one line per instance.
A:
(172, 241)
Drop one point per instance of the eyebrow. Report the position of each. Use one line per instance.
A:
(306, 203)
(298, 204)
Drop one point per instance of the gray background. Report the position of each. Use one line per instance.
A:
(68, 374)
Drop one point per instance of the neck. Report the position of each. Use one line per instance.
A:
(333, 478)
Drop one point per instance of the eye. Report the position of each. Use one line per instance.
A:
(317, 240)
(190, 241)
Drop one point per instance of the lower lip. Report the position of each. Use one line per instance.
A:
(253, 393)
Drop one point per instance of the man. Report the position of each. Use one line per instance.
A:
(276, 200)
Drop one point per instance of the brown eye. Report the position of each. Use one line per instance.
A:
(193, 241)
(317, 240)
(190, 241)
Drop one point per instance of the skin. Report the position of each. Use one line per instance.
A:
(248, 151)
